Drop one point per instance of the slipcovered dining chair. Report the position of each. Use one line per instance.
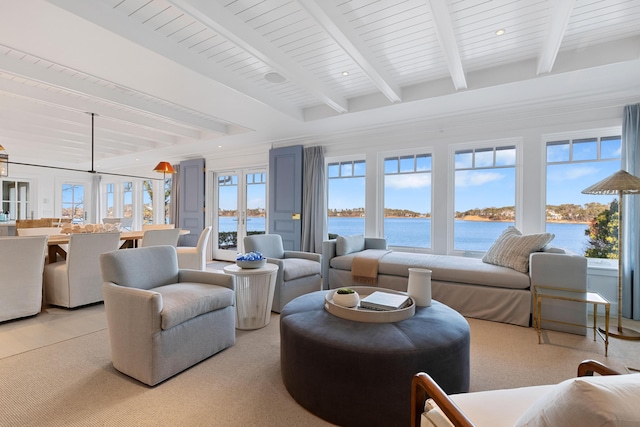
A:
(163, 319)
(195, 257)
(43, 231)
(78, 280)
(146, 227)
(298, 272)
(160, 237)
(21, 264)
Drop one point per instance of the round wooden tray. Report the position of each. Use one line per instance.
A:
(368, 316)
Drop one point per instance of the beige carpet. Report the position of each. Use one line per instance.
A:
(72, 383)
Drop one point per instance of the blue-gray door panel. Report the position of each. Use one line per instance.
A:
(285, 195)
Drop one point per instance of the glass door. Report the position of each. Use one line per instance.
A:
(241, 200)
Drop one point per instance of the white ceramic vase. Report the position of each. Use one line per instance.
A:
(419, 286)
(346, 300)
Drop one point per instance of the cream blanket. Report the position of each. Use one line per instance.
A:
(364, 268)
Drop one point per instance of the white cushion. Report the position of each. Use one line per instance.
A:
(512, 249)
(349, 244)
(602, 401)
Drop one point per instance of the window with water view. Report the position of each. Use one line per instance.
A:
(346, 198)
(407, 200)
(485, 194)
(583, 223)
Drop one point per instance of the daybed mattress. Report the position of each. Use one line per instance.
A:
(445, 268)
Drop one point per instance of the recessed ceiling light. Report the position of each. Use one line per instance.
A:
(345, 73)
(275, 77)
(219, 146)
(500, 32)
(137, 160)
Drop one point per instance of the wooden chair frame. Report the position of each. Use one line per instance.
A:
(424, 387)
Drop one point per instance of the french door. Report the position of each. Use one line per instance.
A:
(241, 200)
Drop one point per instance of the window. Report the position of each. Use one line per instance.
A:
(147, 201)
(256, 202)
(15, 199)
(572, 166)
(346, 198)
(127, 211)
(110, 201)
(485, 192)
(167, 198)
(73, 202)
(407, 200)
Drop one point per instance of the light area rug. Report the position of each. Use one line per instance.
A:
(72, 383)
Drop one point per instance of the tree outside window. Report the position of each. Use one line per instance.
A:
(73, 202)
(583, 223)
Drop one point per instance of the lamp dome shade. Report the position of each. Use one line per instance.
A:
(620, 182)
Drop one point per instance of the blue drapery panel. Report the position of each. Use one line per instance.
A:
(631, 215)
(313, 205)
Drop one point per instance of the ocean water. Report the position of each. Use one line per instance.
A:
(415, 232)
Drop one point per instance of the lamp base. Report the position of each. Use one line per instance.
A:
(622, 333)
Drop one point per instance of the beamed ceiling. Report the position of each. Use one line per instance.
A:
(172, 79)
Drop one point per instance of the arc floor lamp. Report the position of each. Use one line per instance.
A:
(620, 183)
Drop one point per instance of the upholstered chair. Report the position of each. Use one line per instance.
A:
(42, 231)
(195, 257)
(154, 237)
(146, 227)
(21, 264)
(298, 272)
(77, 280)
(162, 319)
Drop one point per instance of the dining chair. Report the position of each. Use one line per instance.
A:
(77, 281)
(112, 220)
(195, 258)
(160, 237)
(42, 231)
(21, 264)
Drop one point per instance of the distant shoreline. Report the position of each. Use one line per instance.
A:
(473, 218)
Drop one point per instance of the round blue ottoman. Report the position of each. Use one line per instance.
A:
(359, 374)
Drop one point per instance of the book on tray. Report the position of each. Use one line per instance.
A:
(385, 301)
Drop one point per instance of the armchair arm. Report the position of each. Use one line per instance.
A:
(126, 306)
(588, 367)
(305, 255)
(207, 277)
(424, 387)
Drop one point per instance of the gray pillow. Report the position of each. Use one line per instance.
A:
(349, 244)
(512, 249)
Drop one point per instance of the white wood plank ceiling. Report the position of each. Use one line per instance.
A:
(332, 55)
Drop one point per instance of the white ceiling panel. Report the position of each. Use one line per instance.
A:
(171, 76)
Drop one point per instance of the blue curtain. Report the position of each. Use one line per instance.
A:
(313, 205)
(631, 237)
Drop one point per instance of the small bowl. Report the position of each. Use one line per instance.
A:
(251, 264)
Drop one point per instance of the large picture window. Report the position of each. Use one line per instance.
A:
(346, 198)
(407, 200)
(485, 194)
(583, 223)
(73, 202)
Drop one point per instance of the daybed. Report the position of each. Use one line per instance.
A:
(468, 285)
(606, 400)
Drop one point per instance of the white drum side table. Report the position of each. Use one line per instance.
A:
(254, 294)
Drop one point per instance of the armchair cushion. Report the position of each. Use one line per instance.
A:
(185, 301)
(349, 244)
(295, 268)
(599, 401)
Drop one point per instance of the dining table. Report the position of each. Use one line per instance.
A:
(129, 239)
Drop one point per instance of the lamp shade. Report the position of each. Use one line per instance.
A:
(164, 167)
(621, 182)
